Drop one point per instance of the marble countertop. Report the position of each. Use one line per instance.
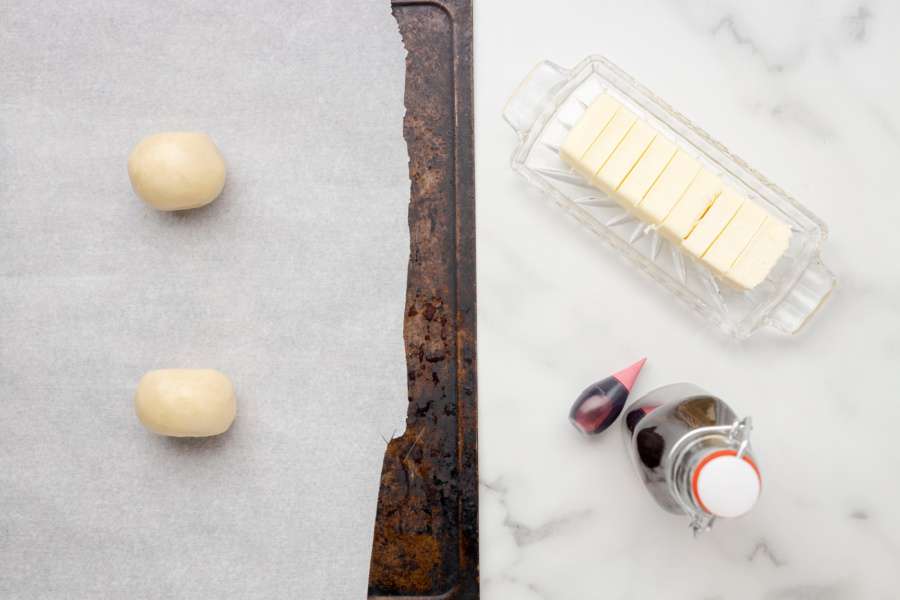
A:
(808, 94)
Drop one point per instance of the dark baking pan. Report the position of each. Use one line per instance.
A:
(426, 530)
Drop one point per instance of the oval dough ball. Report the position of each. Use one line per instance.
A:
(185, 402)
(176, 170)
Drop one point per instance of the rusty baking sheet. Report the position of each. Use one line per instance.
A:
(426, 530)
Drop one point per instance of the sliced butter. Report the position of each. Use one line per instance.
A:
(624, 157)
(735, 237)
(606, 143)
(760, 256)
(669, 188)
(713, 223)
(690, 207)
(588, 127)
(646, 171)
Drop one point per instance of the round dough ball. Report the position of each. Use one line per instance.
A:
(185, 402)
(176, 170)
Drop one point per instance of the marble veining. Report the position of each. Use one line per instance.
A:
(762, 550)
(809, 95)
(727, 25)
(524, 535)
(857, 24)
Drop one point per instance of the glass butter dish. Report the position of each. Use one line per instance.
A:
(549, 102)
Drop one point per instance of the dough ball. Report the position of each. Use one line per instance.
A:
(185, 402)
(176, 170)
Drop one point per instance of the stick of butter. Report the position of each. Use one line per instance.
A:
(644, 172)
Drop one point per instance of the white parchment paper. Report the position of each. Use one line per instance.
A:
(292, 283)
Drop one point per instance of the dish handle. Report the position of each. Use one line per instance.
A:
(530, 97)
(812, 289)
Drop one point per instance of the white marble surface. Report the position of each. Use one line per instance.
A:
(809, 94)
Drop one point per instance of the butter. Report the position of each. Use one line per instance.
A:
(669, 188)
(588, 127)
(713, 223)
(735, 237)
(606, 143)
(628, 159)
(690, 207)
(646, 171)
(624, 157)
(760, 256)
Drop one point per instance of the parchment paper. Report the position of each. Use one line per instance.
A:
(292, 283)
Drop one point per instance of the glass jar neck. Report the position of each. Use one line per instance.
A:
(690, 451)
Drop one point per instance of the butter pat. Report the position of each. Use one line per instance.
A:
(713, 223)
(735, 237)
(646, 171)
(757, 260)
(588, 127)
(693, 203)
(625, 156)
(669, 188)
(606, 143)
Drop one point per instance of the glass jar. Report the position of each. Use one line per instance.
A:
(693, 454)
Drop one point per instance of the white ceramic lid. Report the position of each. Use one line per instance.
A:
(727, 486)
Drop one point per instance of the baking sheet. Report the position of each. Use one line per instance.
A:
(426, 531)
(292, 283)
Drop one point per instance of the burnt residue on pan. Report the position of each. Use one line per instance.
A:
(426, 531)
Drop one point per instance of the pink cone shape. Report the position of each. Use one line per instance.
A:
(627, 375)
